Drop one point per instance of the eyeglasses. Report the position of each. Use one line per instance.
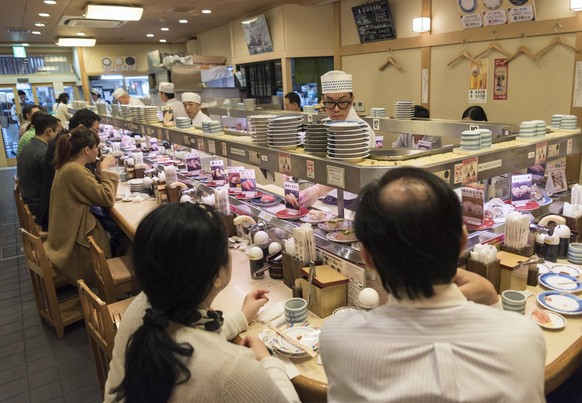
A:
(339, 104)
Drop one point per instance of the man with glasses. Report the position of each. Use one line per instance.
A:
(338, 98)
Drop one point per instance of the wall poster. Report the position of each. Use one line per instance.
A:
(501, 76)
(479, 13)
(478, 81)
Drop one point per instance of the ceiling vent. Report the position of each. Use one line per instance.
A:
(79, 22)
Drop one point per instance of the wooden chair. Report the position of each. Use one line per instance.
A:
(101, 327)
(57, 313)
(32, 226)
(114, 276)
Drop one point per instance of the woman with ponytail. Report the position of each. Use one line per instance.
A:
(75, 189)
(171, 346)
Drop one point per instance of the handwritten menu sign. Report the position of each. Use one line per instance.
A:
(374, 22)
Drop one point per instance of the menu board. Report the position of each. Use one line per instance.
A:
(374, 21)
(479, 13)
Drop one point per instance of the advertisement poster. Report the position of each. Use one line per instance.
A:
(520, 189)
(234, 179)
(248, 183)
(501, 75)
(470, 167)
(218, 174)
(478, 81)
(556, 178)
(291, 196)
(472, 202)
(479, 13)
(193, 164)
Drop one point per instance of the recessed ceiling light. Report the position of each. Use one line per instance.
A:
(76, 41)
(51, 2)
(44, 15)
(162, 40)
(183, 21)
(39, 24)
(81, 34)
(165, 29)
(24, 44)
(35, 32)
(206, 11)
(150, 35)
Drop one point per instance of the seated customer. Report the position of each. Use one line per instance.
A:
(475, 113)
(409, 140)
(30, 160)
(75, 189)
(171, 345)
(27, 112)
(428, 343)
(293, 102)
(29, 132)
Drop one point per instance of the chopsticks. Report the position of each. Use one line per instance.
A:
(291, 340)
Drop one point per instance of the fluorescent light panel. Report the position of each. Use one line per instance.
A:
(105, 12)
(576, 5)
(76, 41)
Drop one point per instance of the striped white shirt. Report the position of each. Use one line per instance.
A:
(442, 349)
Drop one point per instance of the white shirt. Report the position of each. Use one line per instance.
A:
(177, 107)
(442, 349)
(199, 118)
(62, 113)
(133, 101)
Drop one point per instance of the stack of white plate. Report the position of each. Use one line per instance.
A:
(137, 113)
(378, 112)
(135, 185)
(79, 104)
(151, 114)
(283, 131)
(569, 122)
(347, 140)
(471, 140)
(257, 127)
(250, 104)
(316, 139)
(309, 109)
(486, 138)
(102, 108)
(126, 112)
(556, 120)
(116, 110)
(183, 123)
(403, 109)
(527, 130)
(212, 126)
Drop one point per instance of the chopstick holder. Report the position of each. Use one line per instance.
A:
(291, 340)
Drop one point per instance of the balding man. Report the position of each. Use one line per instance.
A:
(121, 96)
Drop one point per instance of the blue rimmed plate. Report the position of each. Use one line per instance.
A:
(560, 282)
(564, 303)
(468, 6)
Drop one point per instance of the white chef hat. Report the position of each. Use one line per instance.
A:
(118, 93)
(94, 91)
(166, 87)
(336, 81)
(191, 97)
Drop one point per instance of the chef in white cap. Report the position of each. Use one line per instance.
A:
(121, 96)
(167, 96)
(338, 98)
(96, 96)
(191, 102)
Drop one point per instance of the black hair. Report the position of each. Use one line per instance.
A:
(83, 117)
(421, 112)
(410, 223)
(71, 144)
(179, 249)
(63, 98)
(21, 92)
(42, 121)
(476, 113)
(169, 95)
(27, 109)
(294, 98)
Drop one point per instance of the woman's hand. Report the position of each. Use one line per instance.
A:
(107, 162)
(253, 302)
(257, 346)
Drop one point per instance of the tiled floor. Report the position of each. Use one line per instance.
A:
(37, 367)
(34, 365)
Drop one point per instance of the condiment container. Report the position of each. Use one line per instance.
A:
(328, 290)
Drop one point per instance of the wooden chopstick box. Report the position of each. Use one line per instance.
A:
(513, 274)
(328, 291)
(291, 269)
(491, 270)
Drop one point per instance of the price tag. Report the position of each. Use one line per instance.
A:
(186, 139)
(569, 146)
(376, 124)
(224, 149)
(201, 144)
(266, 216)
(212, 146)
(310, 169)
(254, 157)
(336, 176)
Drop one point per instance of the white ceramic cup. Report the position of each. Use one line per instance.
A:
(513, 300)
(295, 310)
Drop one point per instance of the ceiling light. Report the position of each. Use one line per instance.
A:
(162, 40)
(39, 24)
(150, 35)
(24, 44)
(76, 41)
(81, 34)
(121, 13)
(44, 15)
(206, 11)
(35, 32)
(183, 21)
(51, 2)
(165, 29)
(576, 5)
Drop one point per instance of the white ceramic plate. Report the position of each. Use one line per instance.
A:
(557, 321)
(317, 218)
(566, 304)
(336, 237)
(569, 270)
(303, 333)
(560, 282)
(344, 225)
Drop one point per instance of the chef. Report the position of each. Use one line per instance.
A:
(96, 96)
(191, 102)
(121, 96)
(167, 96)
(338, 98)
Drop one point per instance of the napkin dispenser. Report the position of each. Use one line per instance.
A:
(328, 290)
(513, 274)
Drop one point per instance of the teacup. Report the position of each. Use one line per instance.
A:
(513, 300)
(296, 310)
